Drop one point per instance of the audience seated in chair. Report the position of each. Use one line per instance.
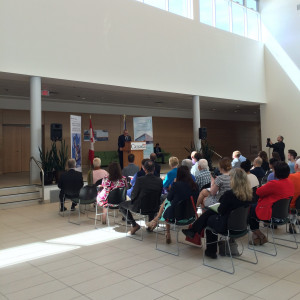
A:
(112, 181)
(70, 184)
(265, 162)
(271, 176)
(218, 186)
(240, 195)
(98, 173)
(171, 175)
(295, 178)
(156, 165)
(140, 173)
(246, 166)
(257, 170)
(195, 160)
(146, 192)
(292, 154)
(131, 169)
(268, 194)
(181, 190)
(203, 177)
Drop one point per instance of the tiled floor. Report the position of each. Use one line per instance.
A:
(44, 257)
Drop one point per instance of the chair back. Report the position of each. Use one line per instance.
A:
(116, 196)
(184, 210)
(88, 192)
(238, 219)
(280, 209)
(298, 203)
(150, 203)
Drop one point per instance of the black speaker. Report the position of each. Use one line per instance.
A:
(202, 133)
(56, 132)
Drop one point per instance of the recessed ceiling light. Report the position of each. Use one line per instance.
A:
(83, 98)
(237, 106)
(214, 109)
(236, 111)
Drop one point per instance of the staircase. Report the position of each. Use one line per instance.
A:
(19, 196)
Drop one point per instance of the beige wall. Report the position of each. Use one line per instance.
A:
(173, 134)
(280, 116)
(126, 43)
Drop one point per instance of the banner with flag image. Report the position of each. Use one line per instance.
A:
(92, 142)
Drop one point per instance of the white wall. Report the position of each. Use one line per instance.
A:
(283, 21)
(126, 43)
(281, 114)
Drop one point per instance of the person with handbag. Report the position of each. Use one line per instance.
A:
(240, 195)
(181, 190)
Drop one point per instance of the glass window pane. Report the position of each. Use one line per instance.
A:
(239, 1)
(238, 24)
(252, 24)
(157, 3)
(178, 7)
(252, 4)
(222, 15)
(206, 12)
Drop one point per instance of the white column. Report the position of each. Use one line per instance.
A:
(35, 124)
(196, 121)
(196, 10)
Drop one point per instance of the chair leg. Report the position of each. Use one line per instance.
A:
(76, 223)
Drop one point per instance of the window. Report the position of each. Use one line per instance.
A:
(178, 7)
(252, 4)
(206, 12)
(157, 3)
(252, 25)
(241, 2)
(238, 19)
(222, 15)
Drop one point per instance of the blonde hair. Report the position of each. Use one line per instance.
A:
(240, 185)
(97, 162)
(236, 153)
(173, 161)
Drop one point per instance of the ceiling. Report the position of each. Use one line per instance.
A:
(12, 85)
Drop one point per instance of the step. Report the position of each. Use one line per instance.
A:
(20, 197)
(15, 190)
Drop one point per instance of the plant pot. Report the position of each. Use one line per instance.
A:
(48, 177)
(57, 175)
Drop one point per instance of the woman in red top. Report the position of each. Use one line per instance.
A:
(268, 194)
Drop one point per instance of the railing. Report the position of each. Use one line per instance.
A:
(42, 171)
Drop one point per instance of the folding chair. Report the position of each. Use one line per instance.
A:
(280, 216)
(237, 227)
(296, 212)
(115, 197)
(87, 195)
(184, 215)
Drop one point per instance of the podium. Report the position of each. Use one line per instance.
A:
(136, 148)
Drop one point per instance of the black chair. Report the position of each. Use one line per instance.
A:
(68, 195)
(184, 215)
(87, 195)
(149, 205)
(297, 212)
(206, 186)
(237, 227)
(114, 198)
(280, 216)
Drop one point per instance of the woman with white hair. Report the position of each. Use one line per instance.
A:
(203, 177)
(98, 173)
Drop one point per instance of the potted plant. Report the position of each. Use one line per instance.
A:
(47, 165)
(60, 158)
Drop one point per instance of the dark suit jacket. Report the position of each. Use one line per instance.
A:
(279, 147)
(180, 191)
(157, 169)
(157, 150)
(146, 193)
(121, 141)
(71, 182)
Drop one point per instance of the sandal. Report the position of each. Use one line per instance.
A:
(151, 225)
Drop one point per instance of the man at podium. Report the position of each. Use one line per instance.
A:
(125, 137)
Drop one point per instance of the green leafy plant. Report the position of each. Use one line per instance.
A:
(60, 156)
(47, 160)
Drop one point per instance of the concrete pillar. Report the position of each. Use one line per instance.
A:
(196, 10)
(196, 121)
(35, 125)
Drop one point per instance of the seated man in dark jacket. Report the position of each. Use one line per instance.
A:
(145, 196)
(257, 170)
(70, 184)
